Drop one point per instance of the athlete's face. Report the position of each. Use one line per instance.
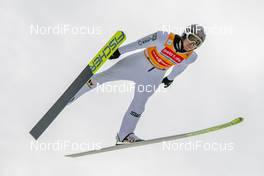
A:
(188, 45)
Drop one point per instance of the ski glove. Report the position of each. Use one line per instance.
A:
(166, 82)
(115, 55)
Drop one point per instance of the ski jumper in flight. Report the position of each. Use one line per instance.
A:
(146, 68)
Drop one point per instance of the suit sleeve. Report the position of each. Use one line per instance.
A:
(142, 43)
(178, 69)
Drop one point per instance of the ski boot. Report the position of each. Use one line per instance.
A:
(129, 139)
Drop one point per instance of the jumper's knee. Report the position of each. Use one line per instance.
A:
(89, 85)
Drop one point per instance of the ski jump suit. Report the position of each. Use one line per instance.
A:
(145, 68)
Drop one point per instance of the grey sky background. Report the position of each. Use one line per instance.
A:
(225, 82)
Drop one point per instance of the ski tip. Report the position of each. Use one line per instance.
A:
(241, 118)
(237, 120)
(121, 33)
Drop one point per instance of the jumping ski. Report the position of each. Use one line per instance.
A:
(100, 58)
(158, 140)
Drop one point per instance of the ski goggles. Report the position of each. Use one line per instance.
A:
(194, 39)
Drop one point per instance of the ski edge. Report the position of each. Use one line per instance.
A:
(161, 139)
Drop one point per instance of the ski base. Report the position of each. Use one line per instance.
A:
(93, 66)
(158, 140)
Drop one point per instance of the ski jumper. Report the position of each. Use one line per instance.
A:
(146, 68)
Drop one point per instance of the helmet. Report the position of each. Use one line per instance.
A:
(194, 33)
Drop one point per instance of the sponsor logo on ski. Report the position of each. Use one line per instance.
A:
(106, 52)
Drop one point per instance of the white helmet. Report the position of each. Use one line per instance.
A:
(194, 33)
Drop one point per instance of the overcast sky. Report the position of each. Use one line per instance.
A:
(42, 52)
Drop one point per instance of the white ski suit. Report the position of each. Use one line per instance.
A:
(138, 68)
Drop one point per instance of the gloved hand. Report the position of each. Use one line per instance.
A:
(166, 82)
(115, 55)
